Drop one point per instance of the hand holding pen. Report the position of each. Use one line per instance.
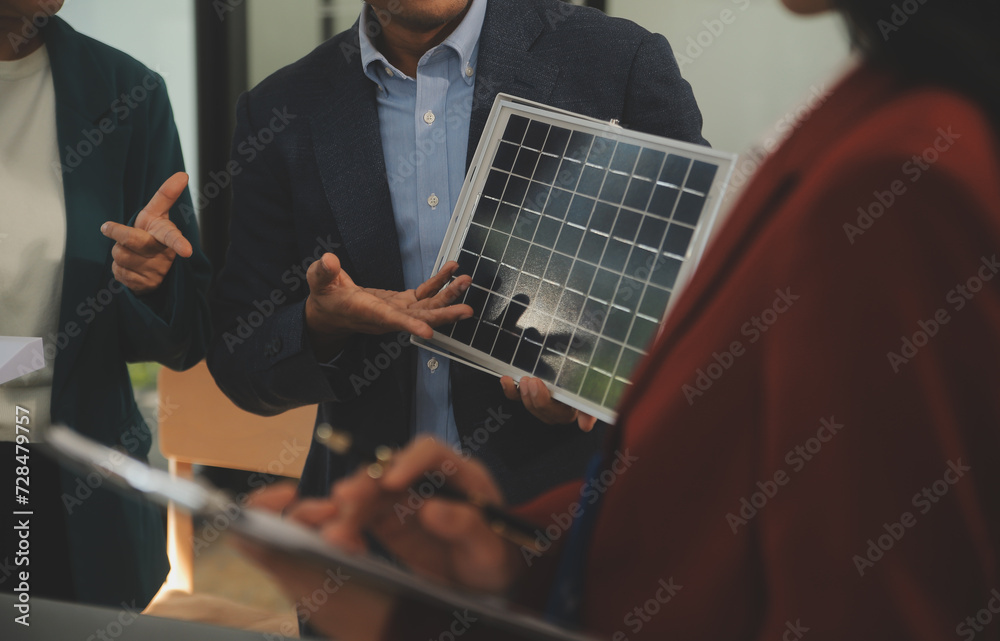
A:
(445, 540)
(501, 522)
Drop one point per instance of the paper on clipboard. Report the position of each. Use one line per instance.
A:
(129, 475)
(19, 356)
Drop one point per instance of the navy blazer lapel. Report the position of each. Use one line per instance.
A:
(347, 144)
(347, 140)
(92, 173)
(505, 62)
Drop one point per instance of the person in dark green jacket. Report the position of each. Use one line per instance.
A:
(99, 255)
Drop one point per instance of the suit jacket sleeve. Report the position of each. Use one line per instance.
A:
(261, 356)
(658, 99)
(170, 325)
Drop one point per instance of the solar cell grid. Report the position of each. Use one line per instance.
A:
(580, 233)
(575, 240)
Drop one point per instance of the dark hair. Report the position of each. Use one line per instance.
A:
(954, 43)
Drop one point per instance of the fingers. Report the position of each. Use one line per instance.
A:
(161, 236)
(168, 235)
(284, 498)
(126, 258)
(165, 197)
(311, 512)
(274, 498)
(438, 317)
(434, 301)
(510, 388)
(538, 400)
(429, 455)
(140, 261)
(453, 522)
(136, 240)
(356, 502)
(338, 305)
(446, 296)
(139, 283)
(355, 613)
(438, 310)
(534, 393)
(385, 318)
(439, 538)
(436, 282)
(586, 421)
(325, 272)
(143, 254)
(154, 219)
(479, 557)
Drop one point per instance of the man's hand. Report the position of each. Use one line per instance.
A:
(442, 539)
(347, 610)
(445, 540)
(144, 254)
(538, 400)
(337, 307)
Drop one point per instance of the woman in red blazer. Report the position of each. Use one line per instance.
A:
(812, 450)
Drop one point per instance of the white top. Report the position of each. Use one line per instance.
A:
(32, 229)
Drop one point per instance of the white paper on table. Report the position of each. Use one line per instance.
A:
(18, 357)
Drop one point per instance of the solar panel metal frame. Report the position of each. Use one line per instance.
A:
(504, 108)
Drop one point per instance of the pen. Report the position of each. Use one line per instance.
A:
(504, 524)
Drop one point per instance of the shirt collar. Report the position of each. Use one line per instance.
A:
(464, 41)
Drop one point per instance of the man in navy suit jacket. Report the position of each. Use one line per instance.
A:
(313, 193)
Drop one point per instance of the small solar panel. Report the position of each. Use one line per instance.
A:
(577, 235)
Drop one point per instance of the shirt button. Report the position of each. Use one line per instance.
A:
(469, 71)
(429, 117)
(389, 72)
(433, 201)
(433, 364)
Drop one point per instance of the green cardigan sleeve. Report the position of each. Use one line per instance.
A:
(170, 325)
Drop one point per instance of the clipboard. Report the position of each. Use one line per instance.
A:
(200, 498)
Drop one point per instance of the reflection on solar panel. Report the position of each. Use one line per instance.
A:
(576, 234)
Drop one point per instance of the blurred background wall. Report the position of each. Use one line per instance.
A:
(746, 74)
(158, 33)
(750, 61)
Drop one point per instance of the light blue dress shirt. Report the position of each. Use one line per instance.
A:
(424, 123)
